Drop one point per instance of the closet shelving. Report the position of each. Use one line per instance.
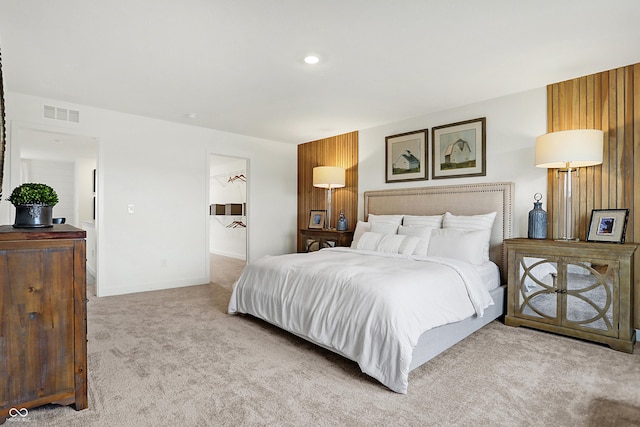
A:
(237, 210)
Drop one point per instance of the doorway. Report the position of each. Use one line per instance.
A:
(68, 163)
(228, 224)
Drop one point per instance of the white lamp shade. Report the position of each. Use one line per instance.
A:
(328, 177)
(569, 148)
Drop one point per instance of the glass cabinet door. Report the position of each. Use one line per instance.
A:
(589, 295)
(538, 289)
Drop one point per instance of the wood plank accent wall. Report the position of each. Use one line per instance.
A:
(609, 101)
(341, 150)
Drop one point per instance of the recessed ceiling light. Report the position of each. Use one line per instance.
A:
(191, 115)
(311, 59)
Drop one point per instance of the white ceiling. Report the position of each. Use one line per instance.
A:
(52, 146)
(238, 64)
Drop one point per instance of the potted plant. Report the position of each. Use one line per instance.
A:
(34, 205)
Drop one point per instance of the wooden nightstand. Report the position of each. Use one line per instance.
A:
(579, 289)
(313, 240)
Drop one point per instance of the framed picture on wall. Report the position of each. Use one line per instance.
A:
(459, 149)
(608, 225)
(317, 218)
(406, 156)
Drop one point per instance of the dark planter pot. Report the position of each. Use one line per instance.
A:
(33, 216)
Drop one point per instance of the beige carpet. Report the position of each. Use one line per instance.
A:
(225, 270)
(175, 358)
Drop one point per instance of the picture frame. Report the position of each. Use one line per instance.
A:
(459, 149)
(608, 225)
(317, 219)
(406, 156)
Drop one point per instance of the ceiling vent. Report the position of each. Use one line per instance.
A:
(74, 116)
(64, 114)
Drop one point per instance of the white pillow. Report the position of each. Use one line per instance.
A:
(384, 227)
(471, 222)
(434, 221)
(459, 244)
(369, 241)
(385, 224)
(409, 246)
(390, 243)
(388, 219)
(361, 228)
(422, 232)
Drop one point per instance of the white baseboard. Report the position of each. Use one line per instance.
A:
(121, 290)
(91, 270)
(242, 257)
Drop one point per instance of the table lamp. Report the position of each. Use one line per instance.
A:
(328, 177)
(566, 151)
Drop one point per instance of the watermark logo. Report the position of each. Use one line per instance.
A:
(16, 414)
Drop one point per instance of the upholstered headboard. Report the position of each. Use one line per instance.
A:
(468, 199)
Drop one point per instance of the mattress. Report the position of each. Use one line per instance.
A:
(489, 274)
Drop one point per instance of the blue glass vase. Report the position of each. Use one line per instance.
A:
(537, 219)
(343, 224)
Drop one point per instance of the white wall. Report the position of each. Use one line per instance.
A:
(91, 246)
(162, 169)
(58, 175)
(513, 123)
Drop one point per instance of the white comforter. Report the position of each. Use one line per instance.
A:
(367, 306)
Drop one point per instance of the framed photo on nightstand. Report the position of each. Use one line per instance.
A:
(608, 225)
(316, 219)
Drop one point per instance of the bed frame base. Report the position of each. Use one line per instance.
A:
(435, 341)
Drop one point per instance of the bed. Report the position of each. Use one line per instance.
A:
(385, 303)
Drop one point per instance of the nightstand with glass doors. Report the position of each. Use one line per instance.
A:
(579, 289)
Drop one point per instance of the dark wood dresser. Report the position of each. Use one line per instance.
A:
(43, 318)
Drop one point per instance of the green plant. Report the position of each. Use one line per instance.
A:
(33, 193)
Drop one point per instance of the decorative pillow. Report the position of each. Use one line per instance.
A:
(409, 245)
(361, 228)
(422, 232)
(385, 224)
(384, 227)
(434, 221)
(459, 244)
(369, 241)
(471, 222)
(390, 243)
